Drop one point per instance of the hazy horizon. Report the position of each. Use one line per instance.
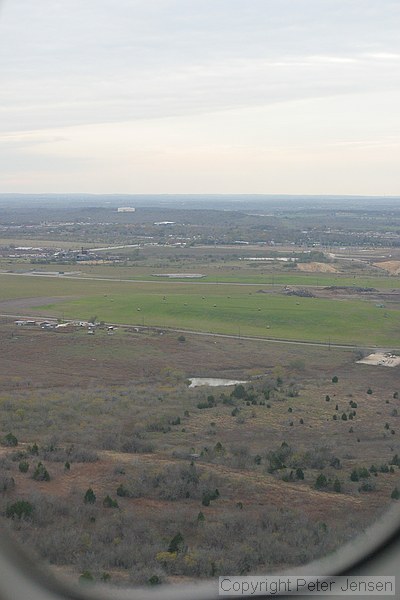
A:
(276, 98)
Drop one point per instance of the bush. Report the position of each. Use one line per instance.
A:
(123, 492)
(10, 440)
(369, 391)
(337, 486)
(321, 482)
(366, 486)
(208, 496)
(395, 460)
(395, 495)
(177, 543)
(239, 392)
(108, 502)
(41, 473)
(6, 483)
(20, 510)
(181, 338)
(23, 466)
(335, 379)
(299, 474)
(34, 449)
(86, 577)
(89, 497)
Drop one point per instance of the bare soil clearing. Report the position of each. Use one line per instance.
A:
(391, 266)
(384, 359)
(317, 267)
(29, 305)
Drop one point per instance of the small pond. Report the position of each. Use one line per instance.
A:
(212, 382)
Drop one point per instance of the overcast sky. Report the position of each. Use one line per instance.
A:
(200, 96)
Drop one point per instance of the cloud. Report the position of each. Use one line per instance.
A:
(239, 80)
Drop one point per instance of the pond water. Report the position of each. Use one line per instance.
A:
(212, 381)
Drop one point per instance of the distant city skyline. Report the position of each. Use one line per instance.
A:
(206, 96)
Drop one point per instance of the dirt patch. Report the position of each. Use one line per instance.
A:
(384, 359)
(391, 266)
(316, 267)
(27, 304)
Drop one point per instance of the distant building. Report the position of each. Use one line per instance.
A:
(126, 209)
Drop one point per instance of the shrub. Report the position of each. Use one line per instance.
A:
(327, 398)
(41, 473)
(108, 502)
(154, 580)
(123, 492)
(354, 475)
(181, 338)
(395, 495)
(89, 497)
(366, 486)
(208, 496)
(335, 379)
(360, 473)
(86, 577)
(344, 417)
(10, 440)
(337, 486)
(369, 391)
(321, 482)
(395, 460)
(278, 458)
(6, 483)
(177, 543)
(23, 466)
(20, 510)
(239, 392)
(34, 449)
(335, 463)
(299, 474)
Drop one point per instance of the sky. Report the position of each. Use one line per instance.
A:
(200, 96)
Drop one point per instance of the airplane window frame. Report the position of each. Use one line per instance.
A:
(373, 553)
(377, 552)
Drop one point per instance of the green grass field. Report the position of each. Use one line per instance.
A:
(230, 309)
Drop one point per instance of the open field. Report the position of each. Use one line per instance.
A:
(228, 272)
(119, 411)
(231, 309)
(124, 471)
